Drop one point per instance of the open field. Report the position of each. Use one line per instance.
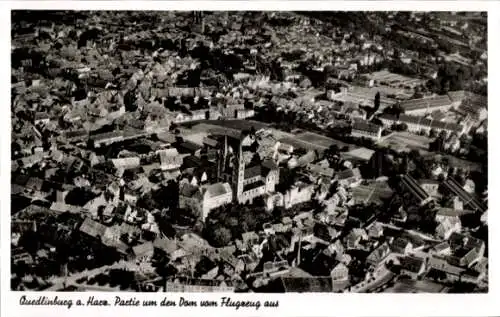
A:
(406, 140)
(319, 139)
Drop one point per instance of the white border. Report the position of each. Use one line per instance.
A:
(290, 304)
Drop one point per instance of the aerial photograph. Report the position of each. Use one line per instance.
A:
(249, 151)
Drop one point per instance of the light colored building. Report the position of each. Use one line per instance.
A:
(299, 193)
(367, 130)
(216, 195)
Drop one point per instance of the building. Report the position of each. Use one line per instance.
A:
(427, 105)
(468, 200)
(170, 159)
(378, 255)
(340, 272)
(430, 186)
(247, 181)
(414, 267)
(402, 246)
(466, 250)
(413, 187)
(365, 129)
(194, 285)
(418, 124)
(447, 226)
(299, 193)
(349, 177)
(214, 196)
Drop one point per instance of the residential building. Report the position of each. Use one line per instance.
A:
(414, 267)
(194, 285)
(366, 129)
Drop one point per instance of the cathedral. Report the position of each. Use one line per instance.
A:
(249, 178)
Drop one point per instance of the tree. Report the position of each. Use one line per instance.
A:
(218, 235)
(78, 196)
(377, 102)
(130, 100)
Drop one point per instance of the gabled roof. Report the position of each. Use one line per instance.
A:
(218, 189)
(412, 264)
(143, 249)
(188, 190)
(92, 228)
(365, 126)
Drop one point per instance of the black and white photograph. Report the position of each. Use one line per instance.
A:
(251, 151)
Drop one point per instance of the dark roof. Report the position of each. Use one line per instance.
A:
(92, 228)
(307, 284)
(423, 103)
(365, 127)
(253, 171)
(412, 264)
(253, 185)
(197, 281)
(188, 190)
(414, 187)
(467, 198)
(190, 146)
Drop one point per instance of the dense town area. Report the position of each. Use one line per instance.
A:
(249, 151)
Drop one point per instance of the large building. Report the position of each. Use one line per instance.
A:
(367, 130)
(417, 124)
(248, 179)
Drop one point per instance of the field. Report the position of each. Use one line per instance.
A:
(319, 140)
(405, 140)
(394, 80)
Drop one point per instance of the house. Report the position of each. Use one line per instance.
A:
(442, 248)
(417, 124)
(466, 250)
(414, 267)
(447, 226)
(192, 285)
(349, 177)
(353, 239)
(402, 246)
(430, 186)
(375, 230)
(366, 129)
(379, 254)
(306, 284)
(170, 159)
(92, 228)
(247, 263)
(214, 196)
(321, 171)
(340, 272)
(299, 193)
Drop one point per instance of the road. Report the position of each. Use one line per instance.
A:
(381, 275)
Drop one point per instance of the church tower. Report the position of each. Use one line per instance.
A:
(238, 172)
